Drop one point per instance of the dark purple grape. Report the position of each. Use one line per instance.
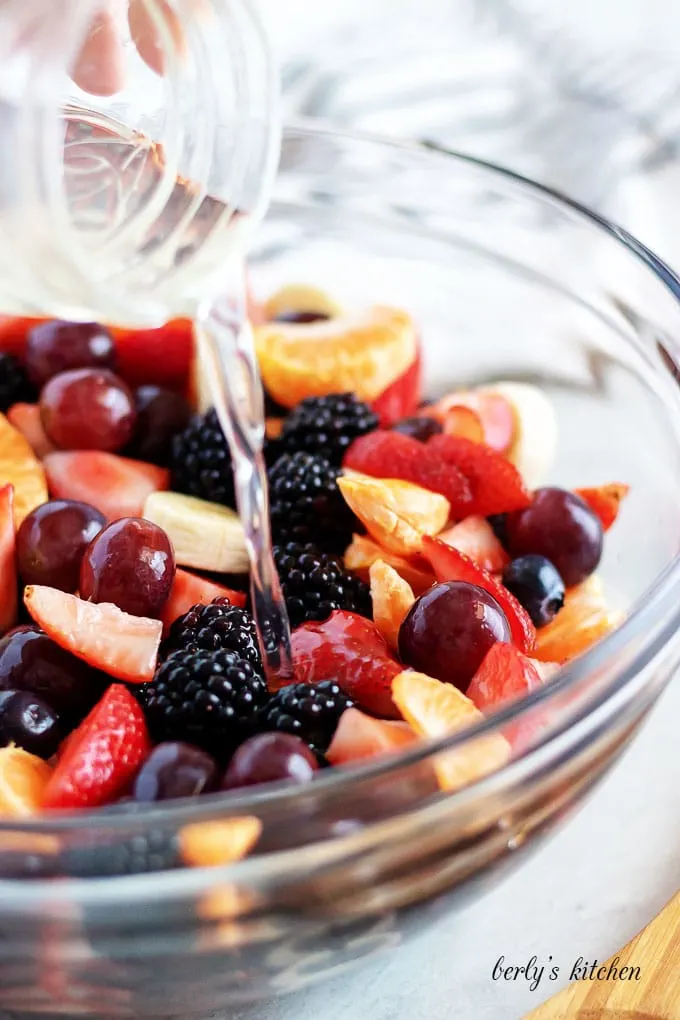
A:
(30, 661)
(175, 770)
(302, 318)
(130, 563)
(51, 541)
(561, 527)
(449, 630)
(270, 758)
(27, 720)
(421, 428)
(88, 409)
(57, 346)
(161, 414)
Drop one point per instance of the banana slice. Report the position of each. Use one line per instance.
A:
(301, 297)
(533, 448)
(204, 535)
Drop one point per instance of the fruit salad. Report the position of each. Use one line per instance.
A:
(429, 572)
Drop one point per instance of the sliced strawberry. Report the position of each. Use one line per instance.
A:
(475, 537)
(124, 646)
(347, 648)
(504, 675)
(159, 356)
(463, 421)
(103, 755)
(402, 397)
(496, 484)
(451, 565)
(13, 333)
(189, 590)
(605, 501)
(360, 736)
(26, 419)
(394, 455)
(8, 572)
(493, 410)
(115, 485)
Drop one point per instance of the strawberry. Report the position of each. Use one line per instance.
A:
(26, 419)
(504, 675)
(348, 649)
(497, 485)
(189, 590)
(8, 571)
(493, 411)
(360, 736)
(159, 356)
(13, 333)
(451, 565)
(401, 398)
(103, 755)
(115, 485)
(475, 537)
(605, 501)
(124, 646)
(394, 455)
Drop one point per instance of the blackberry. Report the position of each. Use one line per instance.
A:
(15, 386)
(315, 583)
(306, 503)
(142, 853)
(201, 461)
(219, 625)
(208, 698)
(327, 425)
(308, 711)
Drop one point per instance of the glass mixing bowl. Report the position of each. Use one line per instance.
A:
(507, 280)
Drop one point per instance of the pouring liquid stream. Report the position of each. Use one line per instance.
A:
(226, 347)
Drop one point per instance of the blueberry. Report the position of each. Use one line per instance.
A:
(419, 427)
(536, 583)
(27, 720)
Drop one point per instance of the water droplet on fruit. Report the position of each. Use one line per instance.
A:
(449, 630)
(130, 563)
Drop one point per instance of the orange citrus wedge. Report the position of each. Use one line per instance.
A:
(395, 513)
(392, 598)
(435, 709)
(20, 468)
(209, 844)
(23, 778)
(363, 353)
(362, 552)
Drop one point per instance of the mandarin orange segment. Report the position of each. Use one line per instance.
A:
(210, 844)
(392, 598)
(584, 619)
(361, 736)
(362, 552)
(396, 514)
(20, 468)
(23, 779)
(435, 709)
(363, 353)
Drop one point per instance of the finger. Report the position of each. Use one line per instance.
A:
(100, 67)
(146, 36)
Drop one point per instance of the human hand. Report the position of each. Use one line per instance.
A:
(100, 65)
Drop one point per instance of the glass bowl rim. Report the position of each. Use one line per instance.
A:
(664, 590)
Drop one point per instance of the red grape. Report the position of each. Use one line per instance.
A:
(560, 526)
(51, 542)
(270, 758)
(30, 661)
(56, 346)
(418, 427)
(175, 769)
(449, 630)
(161, 414)
(88, 409)
(130, 563)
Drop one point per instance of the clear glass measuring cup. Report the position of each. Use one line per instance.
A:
(125, 208)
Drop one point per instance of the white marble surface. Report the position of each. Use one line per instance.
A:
(599, 879)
